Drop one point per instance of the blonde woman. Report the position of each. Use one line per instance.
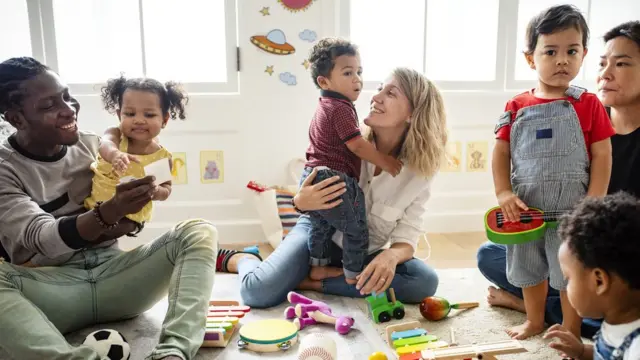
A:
(406, 120)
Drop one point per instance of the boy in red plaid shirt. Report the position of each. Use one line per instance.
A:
(336, 148)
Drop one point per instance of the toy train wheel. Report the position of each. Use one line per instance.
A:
(398, 313)
(384, 317)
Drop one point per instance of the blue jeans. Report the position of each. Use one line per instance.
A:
(267, 283)
(492, 262)
(350, 217)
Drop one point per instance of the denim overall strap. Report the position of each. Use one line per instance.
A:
(549, 171)
(602, 351)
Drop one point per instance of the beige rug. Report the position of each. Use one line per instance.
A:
(481, 324)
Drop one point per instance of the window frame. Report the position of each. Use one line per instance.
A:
(43, 44)
(343, 13)
(506, 57)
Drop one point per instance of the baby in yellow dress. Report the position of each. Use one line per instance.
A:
(144, 107)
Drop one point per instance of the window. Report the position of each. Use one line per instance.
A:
(396, 41)
(462, 45)
(109, 41)
(191, 35)
(432, 36)
(14, 20)
(527, 9)
(88, 41)
(466, 44)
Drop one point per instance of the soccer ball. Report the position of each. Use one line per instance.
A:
(109, 343)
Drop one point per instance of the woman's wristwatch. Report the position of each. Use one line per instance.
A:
(100, 220)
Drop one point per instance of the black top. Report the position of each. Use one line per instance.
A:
(625, 172)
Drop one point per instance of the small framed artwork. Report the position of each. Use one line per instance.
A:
(453, 157)
(211, 166)
(477, 156)
(179, 168)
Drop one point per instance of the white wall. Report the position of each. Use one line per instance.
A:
(265, 126)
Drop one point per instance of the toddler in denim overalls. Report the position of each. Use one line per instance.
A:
(598, 257)
(552, 149)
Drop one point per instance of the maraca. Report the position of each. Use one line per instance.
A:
(435, 308)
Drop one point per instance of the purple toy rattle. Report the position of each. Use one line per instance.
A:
(306, 312)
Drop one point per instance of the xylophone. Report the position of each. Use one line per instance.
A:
(223, 320)
(411, 342)
(409, 339)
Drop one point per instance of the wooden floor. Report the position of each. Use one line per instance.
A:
(448, 251)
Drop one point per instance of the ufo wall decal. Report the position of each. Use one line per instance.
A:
(275, 42)
(295, 5)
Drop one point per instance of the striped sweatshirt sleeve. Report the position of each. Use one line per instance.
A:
(25, 224)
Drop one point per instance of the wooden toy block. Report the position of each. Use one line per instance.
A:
(223, 320)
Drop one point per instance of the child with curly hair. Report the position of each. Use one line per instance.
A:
(144, 106)
(336, 148)
(599, 259)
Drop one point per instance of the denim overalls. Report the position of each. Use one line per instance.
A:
(549, 171)
(602, 351)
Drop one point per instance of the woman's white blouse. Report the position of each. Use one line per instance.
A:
(395, 207)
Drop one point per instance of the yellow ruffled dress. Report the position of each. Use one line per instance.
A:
(105, 179)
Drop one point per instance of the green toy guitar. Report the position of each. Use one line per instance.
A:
(532, 225)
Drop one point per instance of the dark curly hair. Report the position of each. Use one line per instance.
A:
(603, 233)
(324, 53)
(173, 99)
(630, 30)
(13, 72)
(555, 18)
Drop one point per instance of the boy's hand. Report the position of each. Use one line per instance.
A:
(569, 345)
(392, 165)
(511, 205)
(121, 162)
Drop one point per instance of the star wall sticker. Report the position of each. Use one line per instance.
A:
(306, 64)
(265, 11)
(269, 70)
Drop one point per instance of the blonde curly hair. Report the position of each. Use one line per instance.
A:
(423, 148)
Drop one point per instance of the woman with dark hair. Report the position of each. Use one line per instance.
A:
(619, 91)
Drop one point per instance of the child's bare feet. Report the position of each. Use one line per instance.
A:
(526, 330)
(324, 272)
(502, 298)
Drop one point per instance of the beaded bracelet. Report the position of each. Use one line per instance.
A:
(100, 220)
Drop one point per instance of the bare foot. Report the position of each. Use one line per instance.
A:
(324, 272)
(524, 331)
(502, 298)
(351, 281)
(171, 357)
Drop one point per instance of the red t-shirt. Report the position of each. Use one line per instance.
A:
(594, 120)
(333, 125)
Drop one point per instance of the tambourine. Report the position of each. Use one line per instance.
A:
(270, 335)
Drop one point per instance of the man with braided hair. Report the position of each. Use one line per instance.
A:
(62, 268)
